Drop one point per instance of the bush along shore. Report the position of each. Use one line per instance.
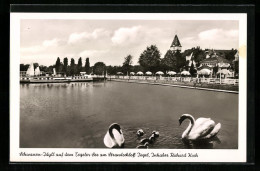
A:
(205, 86)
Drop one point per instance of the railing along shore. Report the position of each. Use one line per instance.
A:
(226, 81)
(155, 79)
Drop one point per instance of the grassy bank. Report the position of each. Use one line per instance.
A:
(186, 84)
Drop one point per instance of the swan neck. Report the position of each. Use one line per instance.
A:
(111, 133)
(192, 121)
(110, 130)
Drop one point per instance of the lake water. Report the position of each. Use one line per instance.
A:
(77, 115)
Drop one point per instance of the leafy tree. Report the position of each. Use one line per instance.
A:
(87, 66)
(24, 67)
(230, 55)
(137, 68)
(186, 67)
(150, 58)
(181, 61)
(65, 65)
(192, 69)
(197, 54)
(43, 68)
(91, 69)
(99, 68)
(60, 68)
(50, 68)
(57, 65)
(112, 70)
(127, 63)
(236, 67)
(169, 61)
(79, 66)
(72, 67)
(72, 62)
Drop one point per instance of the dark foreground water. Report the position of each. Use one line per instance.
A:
(77, 115)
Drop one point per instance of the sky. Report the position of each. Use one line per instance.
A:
(110, 41)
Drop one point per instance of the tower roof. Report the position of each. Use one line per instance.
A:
(176, 42)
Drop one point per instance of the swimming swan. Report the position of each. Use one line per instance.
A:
(140, 132)
(201, 129)
(145, 140)
(151, 139)
(156, 133)
(143, 146)
(114, 137)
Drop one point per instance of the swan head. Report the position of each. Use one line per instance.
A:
(183, 117)
(140, 132)
(115, 126)
(155, 133)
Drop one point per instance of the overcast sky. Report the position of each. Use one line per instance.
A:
(110, 41)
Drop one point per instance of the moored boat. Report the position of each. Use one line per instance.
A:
(43, 79)
(53, 79)
(81, 78)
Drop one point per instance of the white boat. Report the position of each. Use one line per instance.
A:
(59, 78)
(81, 78)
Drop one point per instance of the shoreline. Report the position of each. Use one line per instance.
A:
(176, 85)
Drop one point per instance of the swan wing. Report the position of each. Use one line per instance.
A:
(201, 128)
(199, 122)
(214, 132)
(108, 141)
(119, 137)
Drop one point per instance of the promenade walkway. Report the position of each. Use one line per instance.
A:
(210, 84)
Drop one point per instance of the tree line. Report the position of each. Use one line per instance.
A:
(63, 67)
(149, 60)
(73, 68)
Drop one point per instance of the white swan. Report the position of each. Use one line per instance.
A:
(201, 129)
(114, 137)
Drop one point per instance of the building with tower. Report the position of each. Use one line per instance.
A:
(176, 45)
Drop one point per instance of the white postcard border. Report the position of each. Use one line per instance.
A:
(208, 155)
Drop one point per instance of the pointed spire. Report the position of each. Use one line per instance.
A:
(176, 42)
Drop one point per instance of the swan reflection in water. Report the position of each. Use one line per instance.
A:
(201, 144)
